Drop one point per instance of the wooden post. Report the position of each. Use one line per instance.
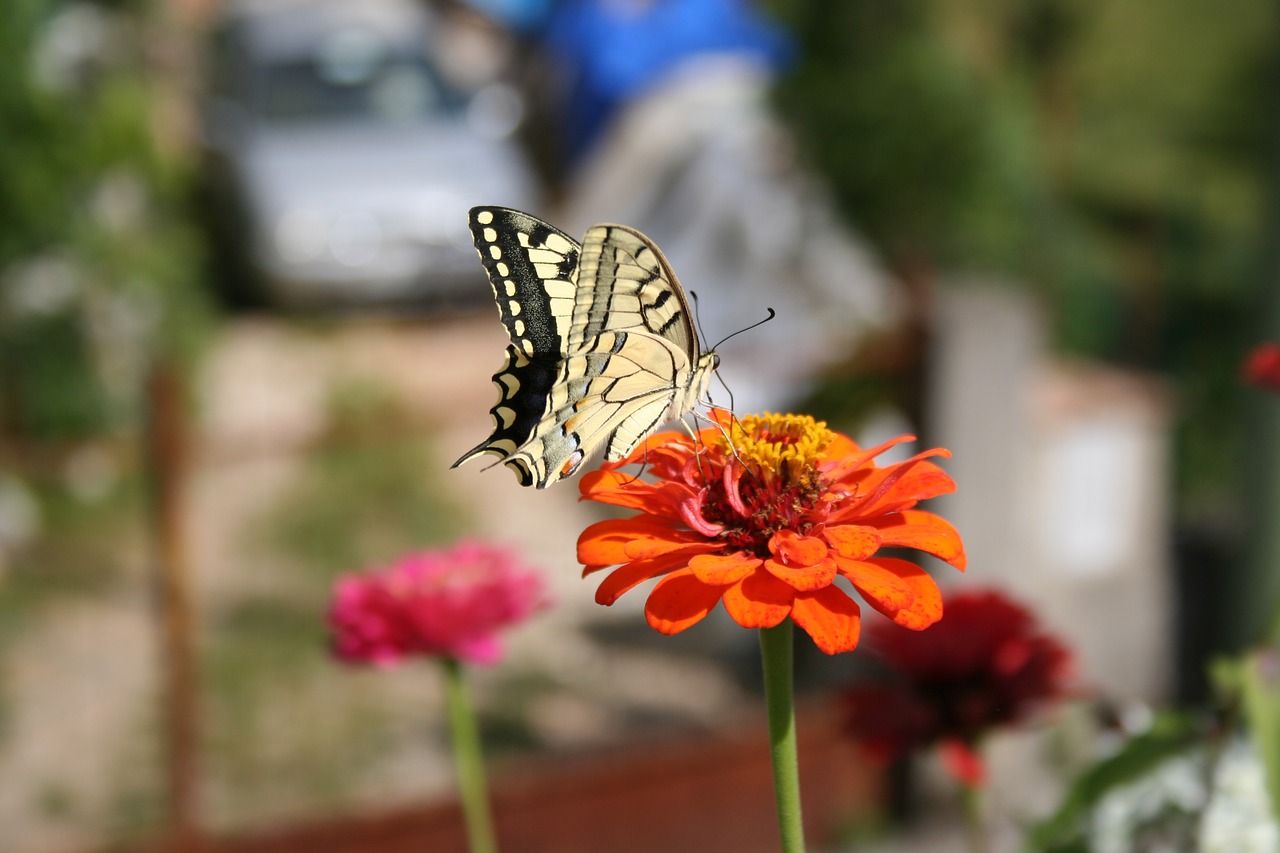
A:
(167, 458)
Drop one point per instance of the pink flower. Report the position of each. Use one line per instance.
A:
(447, 603)
(1262, 367)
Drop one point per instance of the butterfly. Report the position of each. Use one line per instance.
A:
(603, 348)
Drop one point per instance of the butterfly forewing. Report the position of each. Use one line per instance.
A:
(532, 267)
(626, 282)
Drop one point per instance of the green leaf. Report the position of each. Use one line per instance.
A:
(1260, 696)
(1171, 734)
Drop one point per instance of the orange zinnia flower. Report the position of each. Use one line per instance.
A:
(765, 514)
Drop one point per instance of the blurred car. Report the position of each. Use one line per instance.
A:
(340, 159)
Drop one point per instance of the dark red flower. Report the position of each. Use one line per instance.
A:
(1262, 367)
(985, 665)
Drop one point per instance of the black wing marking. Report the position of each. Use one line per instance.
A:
(533, 269)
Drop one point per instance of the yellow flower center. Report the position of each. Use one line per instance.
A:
(779, 443)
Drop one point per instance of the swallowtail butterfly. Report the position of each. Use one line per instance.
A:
(603, 348)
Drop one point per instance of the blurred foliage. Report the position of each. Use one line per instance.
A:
(1114, 158)
(290, 727)
(266, 671)
(370, 450)
(1171, 736)
(99, 258)
(74, 565)
(1252, 680)
(365, 493)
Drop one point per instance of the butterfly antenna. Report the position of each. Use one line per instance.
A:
(719, 378)
(697, 315)
(754, 325)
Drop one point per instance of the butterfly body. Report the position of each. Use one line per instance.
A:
(603, 349)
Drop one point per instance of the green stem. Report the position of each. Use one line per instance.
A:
(975, 818)
(468, 763)
(776, 655)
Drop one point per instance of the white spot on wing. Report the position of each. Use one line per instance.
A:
(559, 289)
(545, 256)
(559, 244)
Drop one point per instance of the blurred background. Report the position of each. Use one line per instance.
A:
(243, 333)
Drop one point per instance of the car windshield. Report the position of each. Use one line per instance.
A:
(352, 75)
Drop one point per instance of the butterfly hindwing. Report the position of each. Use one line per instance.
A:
(603, 349)
(532, 267)
(611, 394)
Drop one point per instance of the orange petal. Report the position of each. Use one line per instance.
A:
(923, 531)
(830, 617)
(723, 417)
(625, 577)
(678, 601)
(903, 485)
(883, 588)
(797, 550)
(688, 543)
(853, 541)
(926, 601)
(841, 446)
(626, 490)
(719, 570)
(759, 600)
(604, 543)
(856, 465)
(803, 578)
(651, 444)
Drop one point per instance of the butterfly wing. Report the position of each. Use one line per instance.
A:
(634, 360)
(612, 394)
(625, 283)
(603, 348)
(533, 268)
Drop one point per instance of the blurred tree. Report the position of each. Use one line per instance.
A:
(98, 261)
(1108, 155)
(902, 127)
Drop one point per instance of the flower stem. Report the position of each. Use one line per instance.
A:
(776, 655)
(468, 762)
(975, 818)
